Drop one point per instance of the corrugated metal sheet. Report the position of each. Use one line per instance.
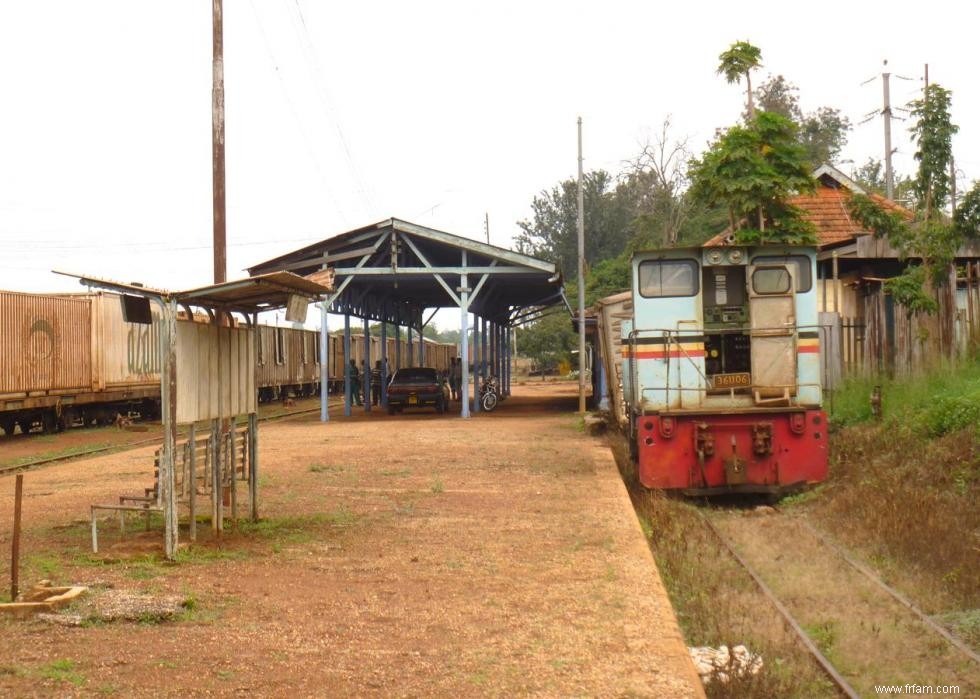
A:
(128, 353)
(45, 343)
(201, 373)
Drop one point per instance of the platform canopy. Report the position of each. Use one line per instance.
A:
(392, 270)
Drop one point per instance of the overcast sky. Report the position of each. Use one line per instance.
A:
(343, 114)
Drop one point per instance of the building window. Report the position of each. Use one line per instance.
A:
(316, 345)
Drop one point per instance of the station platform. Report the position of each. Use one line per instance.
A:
(407, 555)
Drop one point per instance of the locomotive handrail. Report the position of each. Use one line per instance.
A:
(671, 336)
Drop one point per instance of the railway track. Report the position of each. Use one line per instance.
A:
(116, 448)
(836, 676)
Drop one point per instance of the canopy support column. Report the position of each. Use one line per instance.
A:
(477, 358)
(366, 378)
(464, 343)
(324, 362)
(408, 330)
(384, 366)
(347, 364)
(398, 346)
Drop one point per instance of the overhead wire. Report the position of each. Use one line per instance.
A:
(330, 111)
(299, 122)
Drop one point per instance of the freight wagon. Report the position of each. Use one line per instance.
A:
(721, 369)
(73, 359)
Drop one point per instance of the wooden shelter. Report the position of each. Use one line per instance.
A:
(208, 374)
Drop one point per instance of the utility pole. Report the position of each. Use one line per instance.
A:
(581, 278)
(886, 113)
(486, 225)
(218, 140)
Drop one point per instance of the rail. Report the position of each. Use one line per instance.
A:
(127, 446)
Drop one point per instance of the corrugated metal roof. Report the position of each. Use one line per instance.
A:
(259, 293)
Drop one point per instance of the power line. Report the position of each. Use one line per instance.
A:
(309, 53)
(296, 117)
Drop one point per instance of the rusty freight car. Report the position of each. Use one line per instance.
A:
(65, 359)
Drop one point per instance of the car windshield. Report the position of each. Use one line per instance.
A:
(417, 375)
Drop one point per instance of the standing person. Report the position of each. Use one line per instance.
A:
(376, 383)
(355, 383)
(455, 367)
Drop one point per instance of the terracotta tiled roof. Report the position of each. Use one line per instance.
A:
(827, 210)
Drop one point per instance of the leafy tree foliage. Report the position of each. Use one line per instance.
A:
(931, 237)
(752, 171)
(967, 215)
(822, 133)
(552, 232)
(738, 62)
(933, 135)
(548, 341)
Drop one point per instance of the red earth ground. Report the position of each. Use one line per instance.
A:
(398, 556)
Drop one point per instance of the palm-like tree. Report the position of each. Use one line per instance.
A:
(740, 58)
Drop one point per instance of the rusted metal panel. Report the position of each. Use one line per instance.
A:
(129, 353)
(203, 391)
(45, 343)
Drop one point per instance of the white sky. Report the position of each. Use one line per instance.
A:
(342, 114)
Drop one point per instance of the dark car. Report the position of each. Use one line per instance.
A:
(417, 387)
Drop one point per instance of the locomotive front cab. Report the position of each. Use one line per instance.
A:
(723, 369)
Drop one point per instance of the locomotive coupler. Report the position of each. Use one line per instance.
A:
(734, 467)
(704, 441)
(762, 438)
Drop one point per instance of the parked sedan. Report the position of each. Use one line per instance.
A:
(417, 387)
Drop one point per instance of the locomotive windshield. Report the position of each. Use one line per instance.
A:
(661, 278)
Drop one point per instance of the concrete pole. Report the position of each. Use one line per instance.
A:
(886, 112)
(347, 360)
(581, 278)
(324, 362)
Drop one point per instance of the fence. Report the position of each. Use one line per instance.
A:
(890, 339)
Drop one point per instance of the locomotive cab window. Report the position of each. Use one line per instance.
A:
(667, 278)
(801, 268)
(771, 280)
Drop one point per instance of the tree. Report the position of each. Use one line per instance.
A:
(738, 61)
(931, 236)
(549, 341)
(822, 133)
(966, 218)
(655, 183)
(552, 231)
(933, 134)
(752, 171)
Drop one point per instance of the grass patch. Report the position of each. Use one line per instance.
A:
(437, 487)
(397, 474)
(324, 468)
(823, 634)
(62, 671)
(296, 529)
(60, 453)
(932, 404)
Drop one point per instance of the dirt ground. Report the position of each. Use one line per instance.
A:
(398, 556)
